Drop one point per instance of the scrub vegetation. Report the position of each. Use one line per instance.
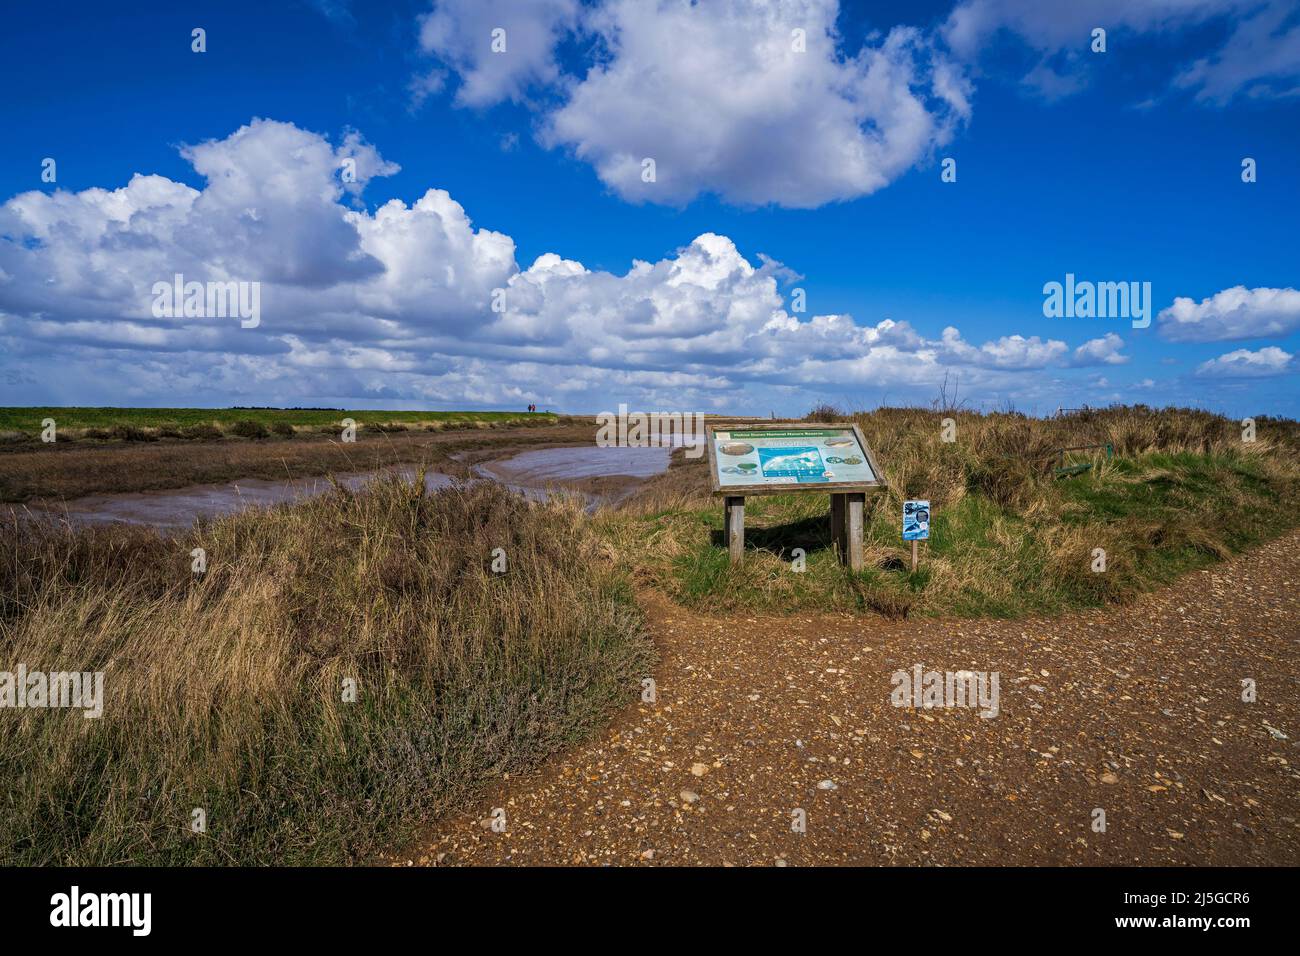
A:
(1009, 536)
(152, 424)
(225, 691)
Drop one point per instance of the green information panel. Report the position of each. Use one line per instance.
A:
(785, 458)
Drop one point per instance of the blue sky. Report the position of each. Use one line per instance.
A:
(816, 170)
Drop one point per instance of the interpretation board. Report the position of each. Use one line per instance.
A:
(782, 459)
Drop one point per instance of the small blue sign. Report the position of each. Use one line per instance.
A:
(916, 520)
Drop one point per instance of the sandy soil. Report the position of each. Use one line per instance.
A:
(1137, 711)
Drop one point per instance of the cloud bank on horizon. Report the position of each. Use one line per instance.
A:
(409, 303)
(394, 295)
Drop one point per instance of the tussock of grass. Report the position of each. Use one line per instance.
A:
(248, 428)
(1007, 537)
(225, 692)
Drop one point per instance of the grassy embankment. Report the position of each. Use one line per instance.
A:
(1007, 537)
(225, 692)
(21, 425)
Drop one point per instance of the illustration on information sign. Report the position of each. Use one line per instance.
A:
(790, 457)
(916, 520)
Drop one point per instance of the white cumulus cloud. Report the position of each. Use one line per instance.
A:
(1102, 351)
(1260, 57)
(1008, 352)
(1243, 363)
(1236, 313)
(755, 102)
(461, 34)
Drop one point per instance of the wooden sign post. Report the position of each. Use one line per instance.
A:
(796, 458)
(847, 518)
(733, 523)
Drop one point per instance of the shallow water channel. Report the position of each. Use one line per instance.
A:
(535, 473)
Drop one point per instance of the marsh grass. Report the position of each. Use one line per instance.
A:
(1007, 537)
(27, 420)
(224, 691)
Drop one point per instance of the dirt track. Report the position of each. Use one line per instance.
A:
(1135, 710)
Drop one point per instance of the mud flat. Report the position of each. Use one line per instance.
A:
(178, 508)
(69, 470)
(599, 475)
(602, 475)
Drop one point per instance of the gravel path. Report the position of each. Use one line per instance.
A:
(1137, 711)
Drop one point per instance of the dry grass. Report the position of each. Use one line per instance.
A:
(1008, 537)
(225, 691)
